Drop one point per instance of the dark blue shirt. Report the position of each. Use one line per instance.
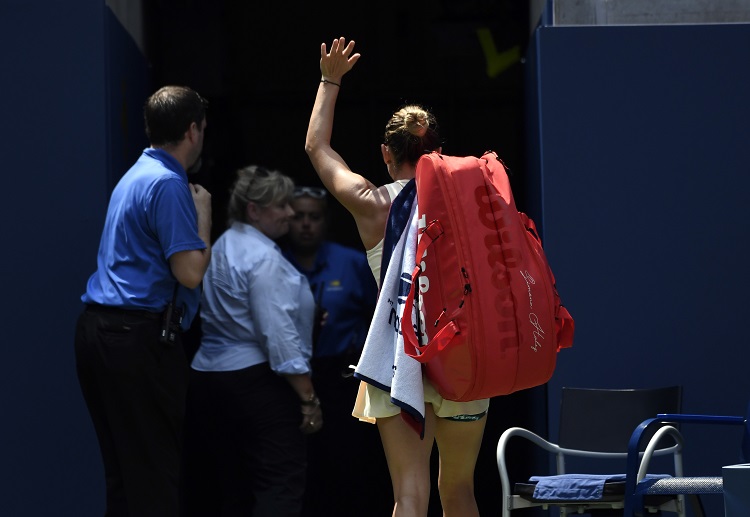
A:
(343, 285)
(151, 216)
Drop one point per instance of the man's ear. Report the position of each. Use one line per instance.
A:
(387, 158)
(192, 133)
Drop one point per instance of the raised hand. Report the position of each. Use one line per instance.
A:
(337, 62)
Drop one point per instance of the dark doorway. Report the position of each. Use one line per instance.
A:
(257, 64)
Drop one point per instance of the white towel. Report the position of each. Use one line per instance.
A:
(383, 362)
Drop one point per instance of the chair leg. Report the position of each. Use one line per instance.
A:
(697, 504)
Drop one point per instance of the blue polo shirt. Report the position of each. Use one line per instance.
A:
(151, 216)
(342, 283)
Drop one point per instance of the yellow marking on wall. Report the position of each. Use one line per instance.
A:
(497, 62)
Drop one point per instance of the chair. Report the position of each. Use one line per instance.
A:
(637, 488)
(595, 424)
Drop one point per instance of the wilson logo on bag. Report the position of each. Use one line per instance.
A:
(489, 320)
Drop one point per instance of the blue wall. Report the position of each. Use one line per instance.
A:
(639, 147)
(642, 141)
(60, 145)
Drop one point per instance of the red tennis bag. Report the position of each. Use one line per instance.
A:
(489, 320)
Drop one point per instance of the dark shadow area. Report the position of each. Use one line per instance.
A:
(258, 66)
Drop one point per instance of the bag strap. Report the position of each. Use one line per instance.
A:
(443, 338)
(565, 327)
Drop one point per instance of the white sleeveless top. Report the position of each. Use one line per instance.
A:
(375, 255)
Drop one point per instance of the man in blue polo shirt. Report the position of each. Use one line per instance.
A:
(154, 250)
(337, 277)
(345, 293)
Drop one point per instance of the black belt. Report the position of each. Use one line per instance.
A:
(109, 309)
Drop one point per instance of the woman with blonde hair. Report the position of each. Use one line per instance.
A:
(251, 400)
(457, 427)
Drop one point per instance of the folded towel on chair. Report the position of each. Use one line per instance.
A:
(577, 487)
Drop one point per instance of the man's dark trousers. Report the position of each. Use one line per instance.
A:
(134, 386)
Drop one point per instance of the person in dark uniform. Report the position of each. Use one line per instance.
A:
(345, 293)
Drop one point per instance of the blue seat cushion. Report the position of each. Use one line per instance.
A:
(581, 487)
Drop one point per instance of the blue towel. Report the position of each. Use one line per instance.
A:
(578, 487)
(398, 220)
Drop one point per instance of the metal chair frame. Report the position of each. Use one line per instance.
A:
(635, 487)
(512, 501)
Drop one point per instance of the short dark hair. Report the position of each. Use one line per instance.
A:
(169, 112)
